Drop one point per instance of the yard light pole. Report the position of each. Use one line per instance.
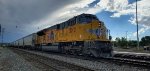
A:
(137, 28)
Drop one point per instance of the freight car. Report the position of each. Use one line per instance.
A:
(25, 42)
(29, 41)
(83, 34)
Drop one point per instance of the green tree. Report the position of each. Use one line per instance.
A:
(145, 41)
(132, 43)
(121, 42)
(117, 41)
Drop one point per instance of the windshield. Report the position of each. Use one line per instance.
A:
(86, 19)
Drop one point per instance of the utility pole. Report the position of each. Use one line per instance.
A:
(2, 34)
(137, 28)
(0, 29)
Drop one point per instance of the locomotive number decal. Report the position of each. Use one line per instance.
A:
(71, 30)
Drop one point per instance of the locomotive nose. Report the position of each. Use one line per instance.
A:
(100, 49)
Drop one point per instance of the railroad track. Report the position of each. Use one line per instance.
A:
(123, 61)
(116, 60)
(132, 59)
(134, 62)
(47, 64)
(137, 57)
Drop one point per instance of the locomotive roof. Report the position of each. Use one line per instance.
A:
(54, 26)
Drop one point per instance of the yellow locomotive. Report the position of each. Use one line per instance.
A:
(82, 34)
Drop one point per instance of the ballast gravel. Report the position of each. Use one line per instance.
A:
(94, 65)
(9, 61)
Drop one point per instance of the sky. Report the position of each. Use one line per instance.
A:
(23, 17)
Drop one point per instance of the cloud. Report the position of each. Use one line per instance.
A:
(141, 31)
(67, 12)
(122, 7)
(143, 14)
(20, 16)
(35, 15)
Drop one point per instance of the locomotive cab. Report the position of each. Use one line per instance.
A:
(98, 44)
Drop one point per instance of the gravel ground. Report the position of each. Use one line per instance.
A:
(47, 64)
(94, 65)
(10, 61)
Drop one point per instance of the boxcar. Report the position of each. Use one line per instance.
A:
(20, 42)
